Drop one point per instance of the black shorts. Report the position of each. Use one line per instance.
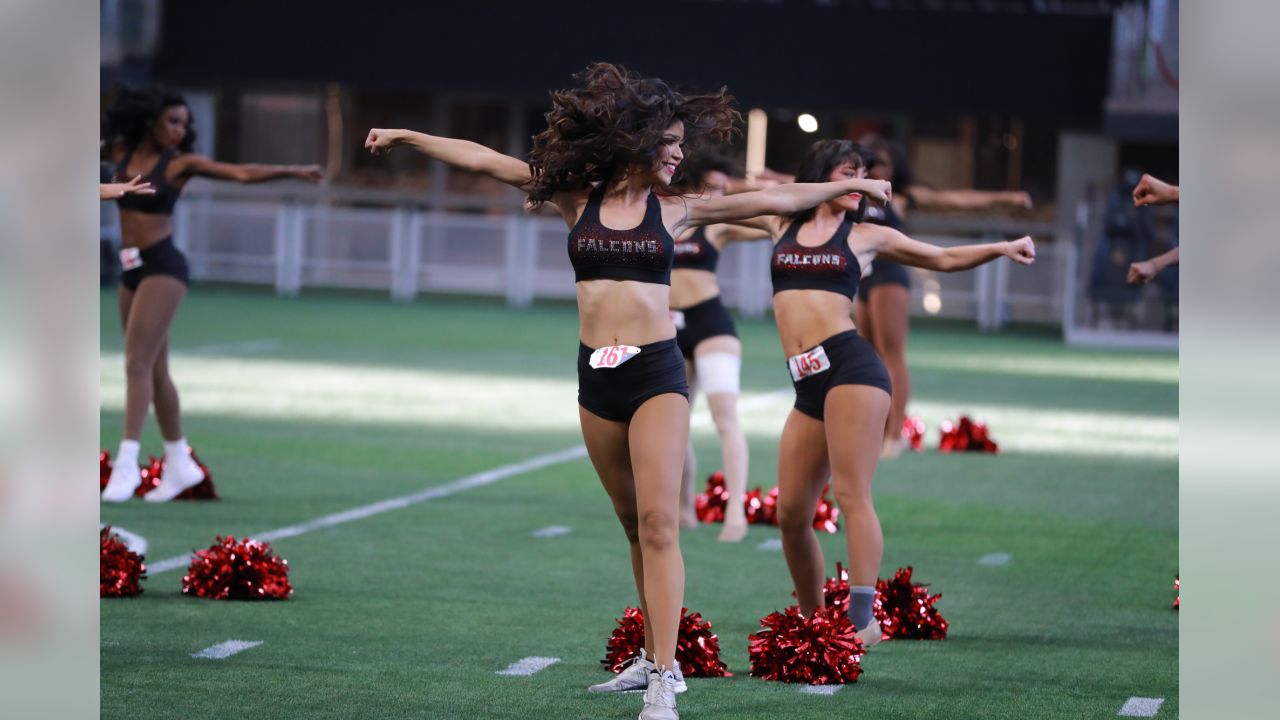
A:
(884, 272)
(163, 258)
(707, 319)
(616, 393)
(853, 362)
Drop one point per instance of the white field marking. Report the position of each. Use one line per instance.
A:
(770, 544)
(820, 689)
(1141, 707)
(224, 650)
(242, 347)
(488, 477)
(528, 666)
(133, 541)
(551, 531)
(995, 559)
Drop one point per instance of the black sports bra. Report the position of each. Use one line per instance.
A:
(696, 252)
(166, 195)
(643, 253)
(831, 266)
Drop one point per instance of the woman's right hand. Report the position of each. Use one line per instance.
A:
(380, 141)
(878, 191)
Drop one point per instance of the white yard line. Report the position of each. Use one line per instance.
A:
(551, 531)
(1141, 707)
(224, 650)
(995, 559)
(820, 689)
(481, 479)
(528, 666)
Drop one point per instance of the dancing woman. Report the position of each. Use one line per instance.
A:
(842, 388)
(605, 161)
(709, 341)
(149, 136)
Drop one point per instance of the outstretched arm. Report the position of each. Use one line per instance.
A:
(1144, 271)
(967, 199)
(895, 246)
(189, 166)
(1150, 191)
(778, 200)
(112, 191)
(462, 154)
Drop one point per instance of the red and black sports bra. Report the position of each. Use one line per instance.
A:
(643, 253)
(831, 266)
(696, 252)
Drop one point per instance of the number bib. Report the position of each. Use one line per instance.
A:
(677, 318)
(613, 356)
(130, 258)
(808, 363)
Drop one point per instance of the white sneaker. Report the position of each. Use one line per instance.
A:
(125, 479)
(870, 635)
(660, 697)
(635, 677)
(179, 474)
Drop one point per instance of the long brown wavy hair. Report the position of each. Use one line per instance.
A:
(614, 119)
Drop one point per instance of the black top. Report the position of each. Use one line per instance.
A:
(643, 253)
(831, 266)
(166, 196)
(696, 252)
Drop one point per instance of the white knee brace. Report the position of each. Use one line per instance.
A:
(718, 373)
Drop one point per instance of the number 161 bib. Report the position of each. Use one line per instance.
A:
(613, 356)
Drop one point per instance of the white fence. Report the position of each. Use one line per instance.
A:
(408, 250)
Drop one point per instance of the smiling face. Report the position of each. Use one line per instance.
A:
(171, 126)
(847, 171)
(670, 153)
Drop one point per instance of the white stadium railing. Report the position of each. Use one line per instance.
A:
(408, 250)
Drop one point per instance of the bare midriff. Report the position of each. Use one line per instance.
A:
(623, 312)
(142, 230)
(690, 287)
(807, 317)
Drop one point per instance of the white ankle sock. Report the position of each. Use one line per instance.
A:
(128, 452)
(175, 449)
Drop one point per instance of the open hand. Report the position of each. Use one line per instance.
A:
(111, 191)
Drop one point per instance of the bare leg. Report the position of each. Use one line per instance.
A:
(854, 420)
(658, 430)
(610, 453)
(890, 307)
(165, 396)
(689, 476)
(802, 471)
(733, 444)
(146, 329)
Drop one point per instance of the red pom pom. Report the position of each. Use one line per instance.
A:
(905, 609)
(104, 469)
(626, 640)
(913, 432)
(120, 570)
(1177, 589)
(835, 592)
(709, 505)
(827, 515)
(821, 650)
(245, 570)
(966, 435)
(697, 648)
(154, 469)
